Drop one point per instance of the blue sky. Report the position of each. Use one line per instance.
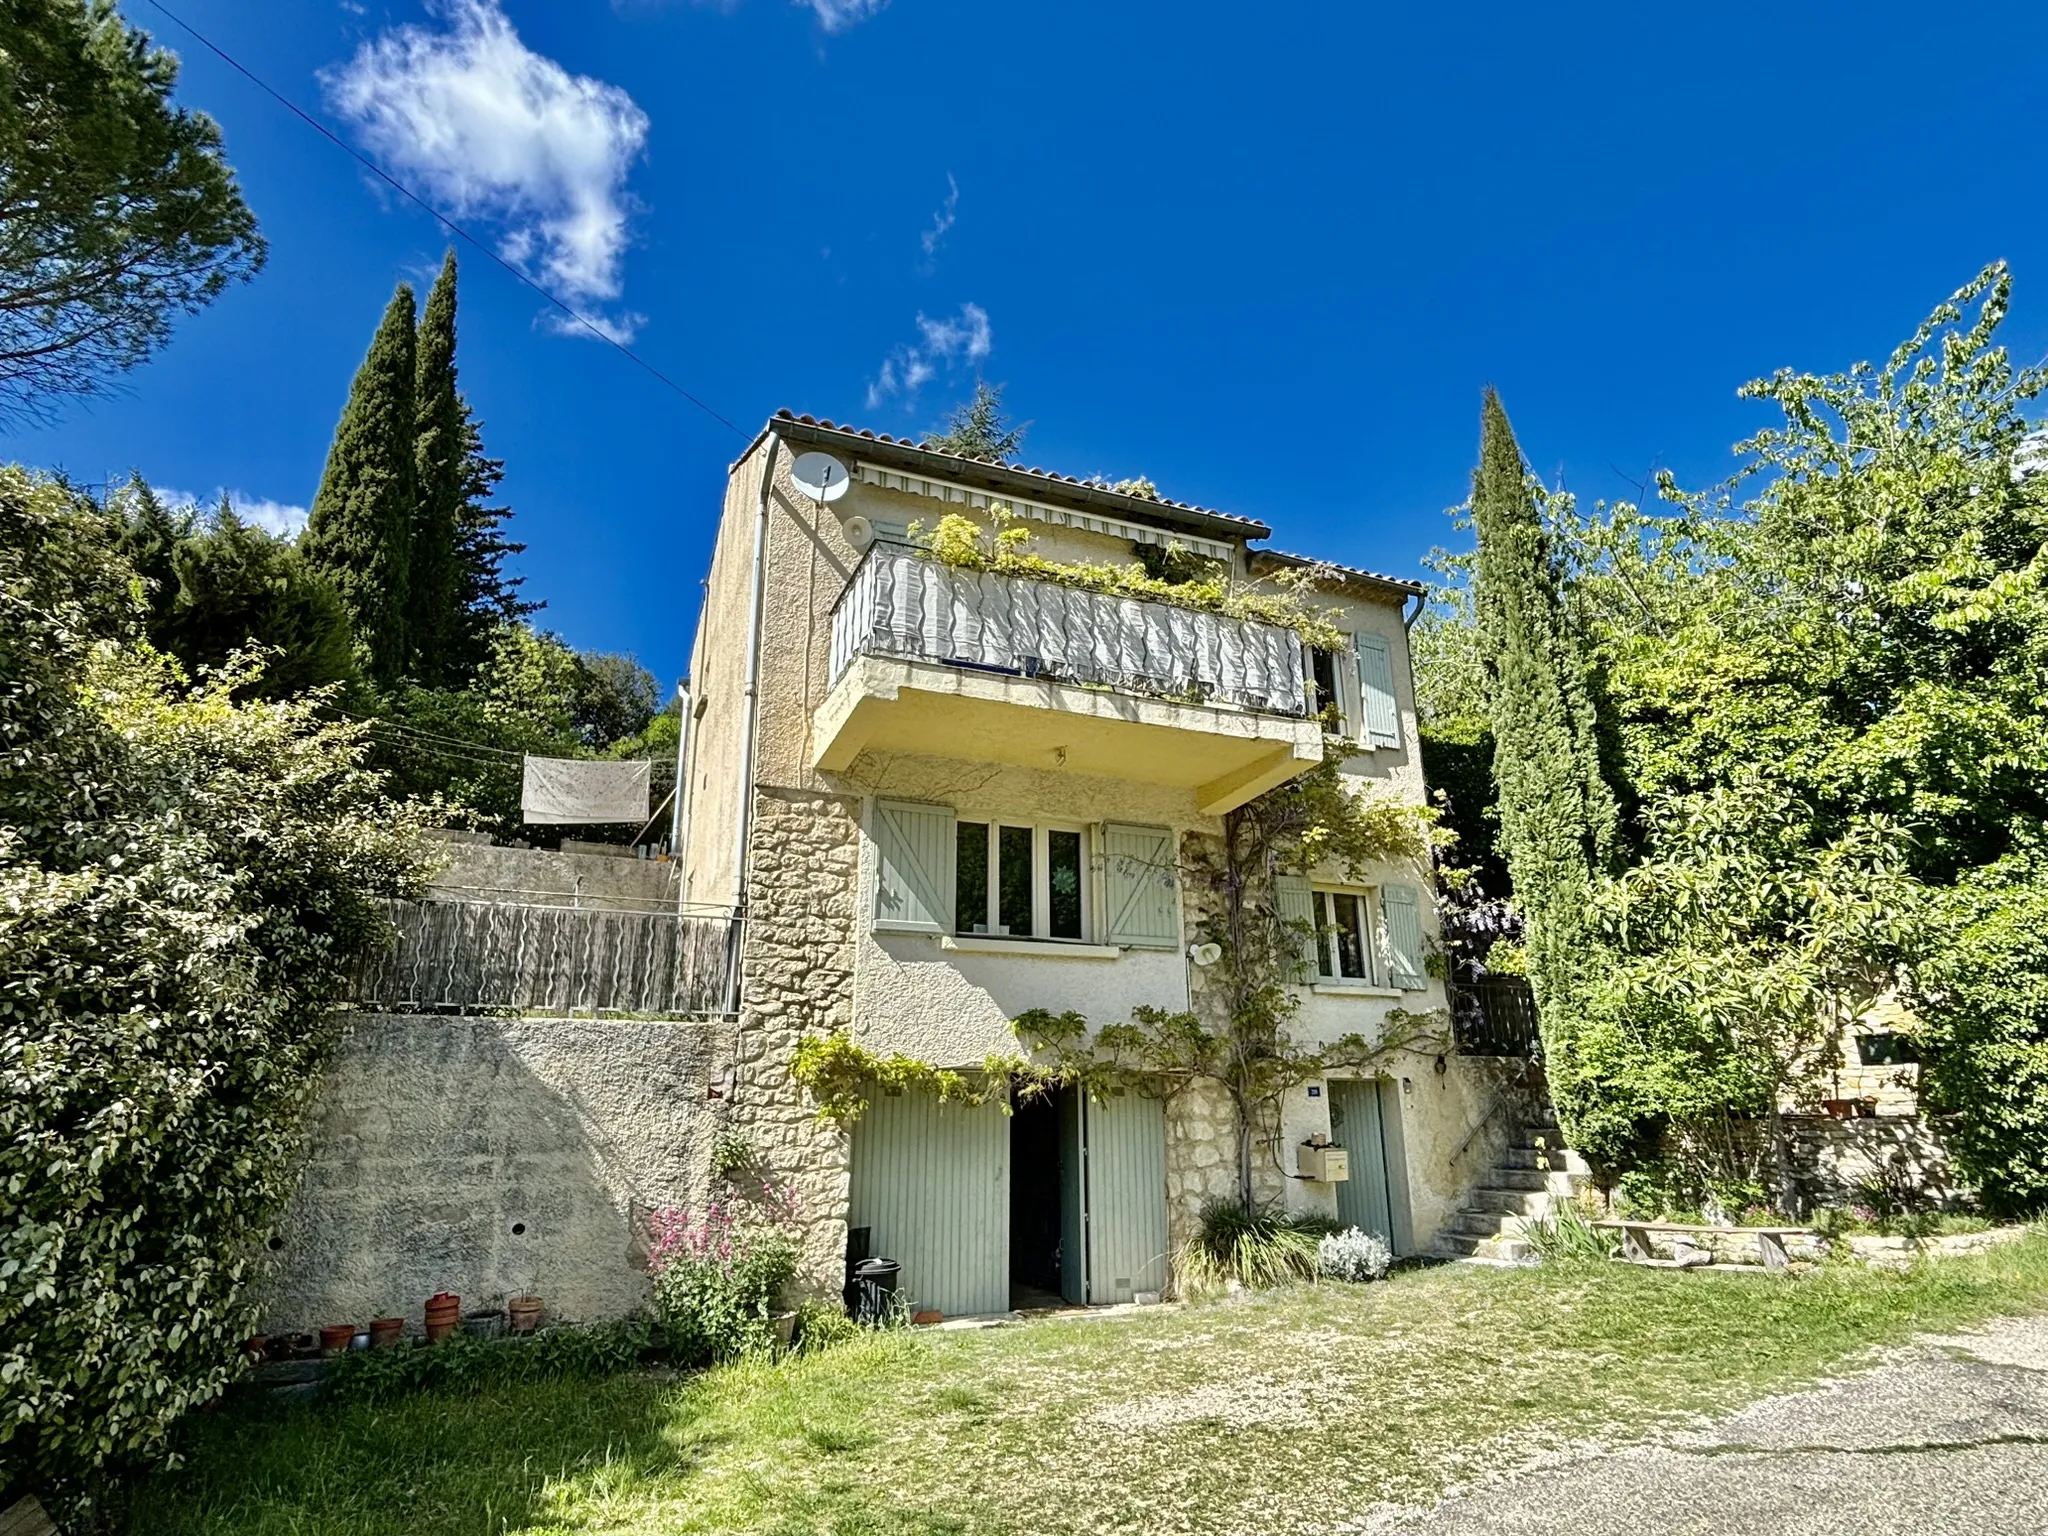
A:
(1267, 256)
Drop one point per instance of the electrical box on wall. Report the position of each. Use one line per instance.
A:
(1325, 1164)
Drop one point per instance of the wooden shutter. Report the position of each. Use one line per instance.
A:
(1296, 902)
(1141, 887)
(1403, 913)
(1376, 684)
(913, 866)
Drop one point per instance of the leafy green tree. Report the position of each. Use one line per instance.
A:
(359, 535)
(440, 449)
(979, 429)
(117, 210)
(1732, 956)
(1557, 815)
(186, 882)
(486, 598)
(239, 586)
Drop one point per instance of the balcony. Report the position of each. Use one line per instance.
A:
(931, 659)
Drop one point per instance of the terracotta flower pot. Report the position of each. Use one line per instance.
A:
(444, 1311)
(335, 1338)
(386, 1331)
(525, 1313)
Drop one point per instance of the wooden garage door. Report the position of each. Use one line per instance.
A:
(931, 1182)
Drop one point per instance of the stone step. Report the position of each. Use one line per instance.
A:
(1498, 1250)
(1475, 1223)
(1520, 1178)
(1515, 1202)
(1559, 1159)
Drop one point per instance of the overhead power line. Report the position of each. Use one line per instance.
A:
(439, 217)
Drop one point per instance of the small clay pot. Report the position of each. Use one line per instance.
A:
(256, 1346)
(444, 1311)
(524, 1312)
(485, 1323)
(386, 1331)
(335, 1338)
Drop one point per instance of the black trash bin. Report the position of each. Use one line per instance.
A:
(874, 1289)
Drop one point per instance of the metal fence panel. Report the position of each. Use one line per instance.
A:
(462, 955)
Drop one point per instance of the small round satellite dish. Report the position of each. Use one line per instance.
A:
(819, 476)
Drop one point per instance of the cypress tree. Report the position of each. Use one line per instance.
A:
(438, 451)
(359, 535)
(485, 597)
(1557, 814)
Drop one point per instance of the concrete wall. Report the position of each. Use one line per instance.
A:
(492, 1158)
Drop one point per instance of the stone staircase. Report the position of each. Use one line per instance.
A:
(1534, 1172)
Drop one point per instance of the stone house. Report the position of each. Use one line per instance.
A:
(938, 798)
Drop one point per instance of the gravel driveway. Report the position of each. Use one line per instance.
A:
(1947, 1436)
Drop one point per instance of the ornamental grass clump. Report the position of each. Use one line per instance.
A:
(1257, 1248)
(719, 1278)
(1353, 1254)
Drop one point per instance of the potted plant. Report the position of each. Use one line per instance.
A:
(335, 1338)
(524, 1312)
(385, 1331)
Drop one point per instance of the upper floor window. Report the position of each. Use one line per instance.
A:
(1020, 882)
(1354, 937)
(1359, 683)
(1344, 947)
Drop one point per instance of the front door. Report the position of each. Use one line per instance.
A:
(1365, 1119)
(1112, 1198)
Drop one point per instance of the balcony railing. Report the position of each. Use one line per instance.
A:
(901, 604)
(1496, 1016)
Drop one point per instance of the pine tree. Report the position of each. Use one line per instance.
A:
(360, 532)
(438, 449)
(485, 597)
(1557, 814)
(979, 429)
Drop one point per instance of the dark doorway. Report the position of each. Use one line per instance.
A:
(1035, 1185)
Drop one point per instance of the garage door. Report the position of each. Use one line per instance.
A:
(931, 1184)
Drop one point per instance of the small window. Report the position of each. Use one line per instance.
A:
(1323, 674)
(1886, 1049)
(1021, 882)
(1344, 948)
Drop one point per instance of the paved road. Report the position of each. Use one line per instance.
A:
(1949, 1436)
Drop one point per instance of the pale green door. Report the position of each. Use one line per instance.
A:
(1365, 1119)
(931, 1183)
(1125, 1147)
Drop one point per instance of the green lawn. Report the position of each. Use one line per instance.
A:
(1283, 1413)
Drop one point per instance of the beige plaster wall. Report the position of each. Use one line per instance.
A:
(477, 871)
(718, 678)
(494, 1157)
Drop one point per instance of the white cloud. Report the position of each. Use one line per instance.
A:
(491, 130)
(278, 517)
(838, 15)
(941, 344)
(942, 220)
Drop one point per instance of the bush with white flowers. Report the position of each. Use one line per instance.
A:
(1354, 1255)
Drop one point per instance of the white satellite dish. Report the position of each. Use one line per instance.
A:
(819, 476)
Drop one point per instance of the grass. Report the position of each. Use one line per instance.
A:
(1190, 1421)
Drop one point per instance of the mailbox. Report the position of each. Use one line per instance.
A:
(1326, 1164)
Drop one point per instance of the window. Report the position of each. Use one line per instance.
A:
(1344, 947)
(1020, 882)
(1322, 666)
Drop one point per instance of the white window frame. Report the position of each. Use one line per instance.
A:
(1344, 675)
(1041, 881)
(1325, 908)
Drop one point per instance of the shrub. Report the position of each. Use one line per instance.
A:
(186, 882)
(1565, 1236)
(1353, 1255)
(554, 1354)
(820, 1325)
(718, 1278)
(1253, 1246)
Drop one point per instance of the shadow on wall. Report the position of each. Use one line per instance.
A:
(494, 1157)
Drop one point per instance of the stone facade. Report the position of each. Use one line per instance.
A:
(797, 963)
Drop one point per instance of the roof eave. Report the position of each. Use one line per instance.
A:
(1016, 482)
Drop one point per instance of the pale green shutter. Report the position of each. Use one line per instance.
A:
(1376, 683)
(1404, 937)
(1141, 887)
(1296, 902)
(913, 866)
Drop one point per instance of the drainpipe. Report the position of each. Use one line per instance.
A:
(676, 846)
(750, 705)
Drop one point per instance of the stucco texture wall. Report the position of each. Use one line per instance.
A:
(495, 1157)
(476, 871)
